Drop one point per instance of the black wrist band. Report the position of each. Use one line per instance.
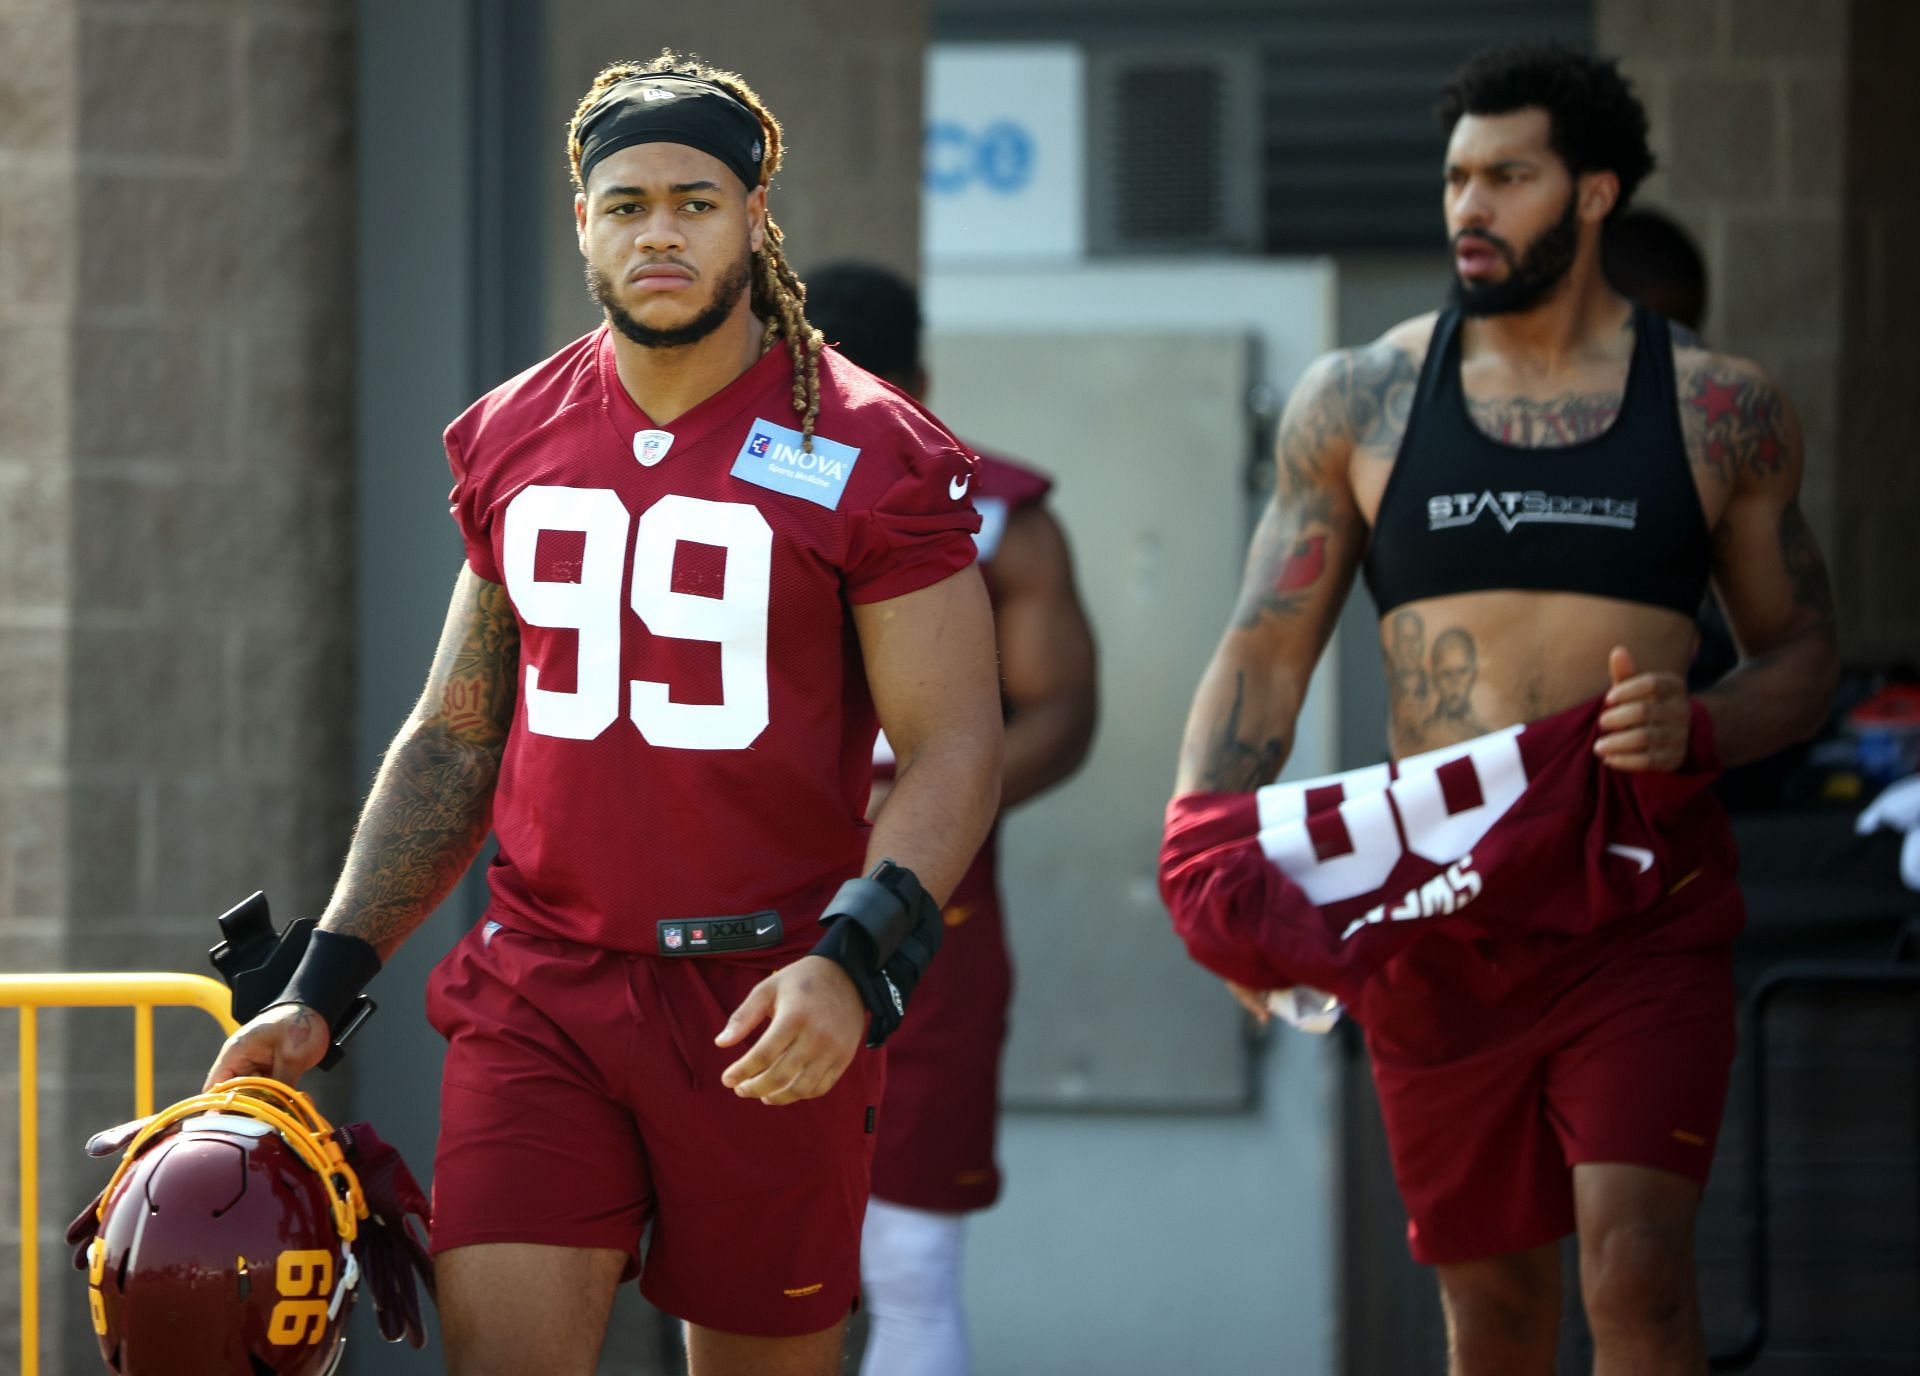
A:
(332, 971)
(882, 930)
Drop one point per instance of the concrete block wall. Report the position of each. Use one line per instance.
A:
(1778, 126)
(1745, 97)
(176, 213)
(1880, 359)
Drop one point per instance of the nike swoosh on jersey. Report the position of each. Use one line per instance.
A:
(1638, 854)
(957, 487)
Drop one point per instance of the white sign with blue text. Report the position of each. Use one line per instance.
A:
(1003, 168)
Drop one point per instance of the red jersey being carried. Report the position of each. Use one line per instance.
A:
(693, 731)
(1469, 867)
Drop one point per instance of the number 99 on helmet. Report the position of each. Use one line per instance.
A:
(225, 1240)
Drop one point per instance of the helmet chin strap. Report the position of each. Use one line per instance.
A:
(349, 1277)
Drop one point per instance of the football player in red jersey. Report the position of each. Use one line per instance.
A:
(706, 559)
(934, 1162)
(1538, 482)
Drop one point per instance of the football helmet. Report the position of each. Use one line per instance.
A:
(223, 1245)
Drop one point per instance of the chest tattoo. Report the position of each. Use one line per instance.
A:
(1546, 423)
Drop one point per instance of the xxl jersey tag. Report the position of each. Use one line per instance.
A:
(702, 936)
(773, 458)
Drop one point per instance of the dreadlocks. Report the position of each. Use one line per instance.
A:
(779, 296)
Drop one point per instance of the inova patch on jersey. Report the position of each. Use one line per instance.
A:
(772, 458)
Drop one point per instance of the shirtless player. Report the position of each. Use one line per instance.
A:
(1538, 482)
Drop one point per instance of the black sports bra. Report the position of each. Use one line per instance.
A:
(1616, 515)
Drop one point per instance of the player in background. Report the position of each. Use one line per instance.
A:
(934, 1162)
(706, 558)
(1648, 258)
(1538, 482)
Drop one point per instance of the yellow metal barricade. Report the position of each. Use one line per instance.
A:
(29, 993)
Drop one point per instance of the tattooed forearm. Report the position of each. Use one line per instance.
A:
(1233, 765)
(432, 801)
(427, 817)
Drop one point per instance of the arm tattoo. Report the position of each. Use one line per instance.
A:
(1304, 566)
(1736, 424)
(1381, 390)
(432, 802)
(1806, 570)
(1284, 563)
(1290, 554)
(1236, 766)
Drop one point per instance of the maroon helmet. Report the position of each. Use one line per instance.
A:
(225, 1240)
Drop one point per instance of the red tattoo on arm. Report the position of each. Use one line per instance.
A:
(1304, 566)
(463, 705)
(1717, 399)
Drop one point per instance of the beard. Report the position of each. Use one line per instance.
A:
(729, 287)
(1531, 277)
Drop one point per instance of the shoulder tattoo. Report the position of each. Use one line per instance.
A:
(1737, 423)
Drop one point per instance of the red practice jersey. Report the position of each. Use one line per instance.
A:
(1482, 860)
(1000, 488)
(693, 731)
(937, 1128)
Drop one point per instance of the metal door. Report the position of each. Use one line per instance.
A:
(1149, 437)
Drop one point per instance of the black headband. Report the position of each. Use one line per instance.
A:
(673, 109)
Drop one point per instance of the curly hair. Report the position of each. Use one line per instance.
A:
(1596, 123)
(779, 296)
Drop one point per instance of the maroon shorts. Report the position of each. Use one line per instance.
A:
(938, 1125)
(582, 1101)
(1627, 1061)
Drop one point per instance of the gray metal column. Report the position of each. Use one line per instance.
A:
(447, 284)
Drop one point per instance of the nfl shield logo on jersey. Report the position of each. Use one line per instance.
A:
(651, 446)
(671, 937)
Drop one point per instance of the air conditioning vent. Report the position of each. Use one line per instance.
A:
(1173, 152)
(1266, 126)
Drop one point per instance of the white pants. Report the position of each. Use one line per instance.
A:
(910, 1283)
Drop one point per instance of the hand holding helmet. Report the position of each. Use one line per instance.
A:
(283, 1043)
